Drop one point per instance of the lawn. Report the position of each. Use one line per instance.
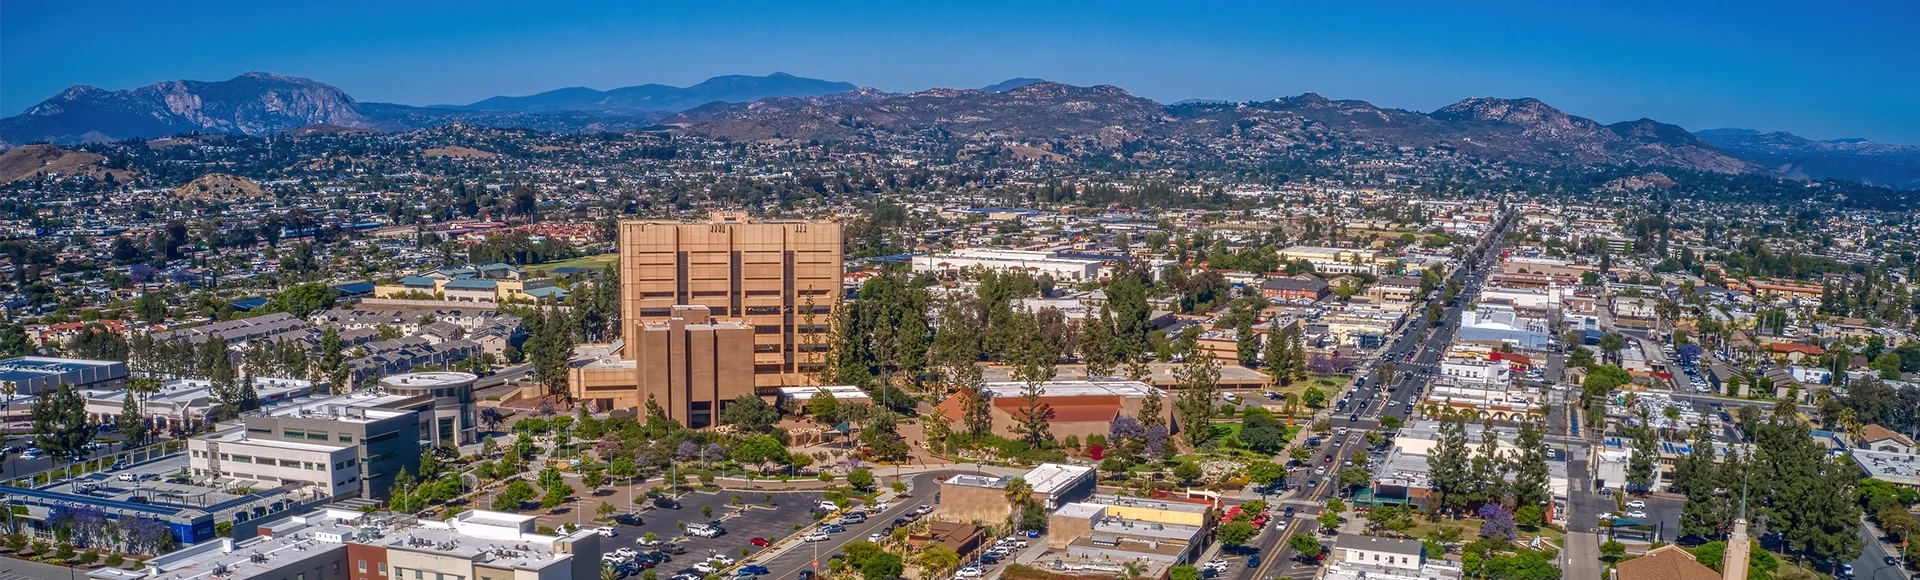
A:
(595, 262)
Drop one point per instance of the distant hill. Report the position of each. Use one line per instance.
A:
(663, 98)
(258, 104)
(1105, 115)
(1859, 160)
(253, 103)
(215, 186)
(1011, 84)
(24, 162)
(1059, 119)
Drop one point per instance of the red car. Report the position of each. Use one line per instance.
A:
(1328, 458)
(759, 542)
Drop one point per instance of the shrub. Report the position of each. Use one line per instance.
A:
(115, 560)
(89, 557)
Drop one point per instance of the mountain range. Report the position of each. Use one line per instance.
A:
(1064, 118)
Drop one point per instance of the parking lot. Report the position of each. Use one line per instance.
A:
(757, 516)
(1661, 512)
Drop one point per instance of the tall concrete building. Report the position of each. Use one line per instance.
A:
(764, 292)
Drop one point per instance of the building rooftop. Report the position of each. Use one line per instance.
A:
(1051, 478)
(360, 407)
(429, 379)
(239, 435)
(1378, 544)
(1141, 502)
(1900, 468)
(1123, 388)
(978, 481)
(1081, 510)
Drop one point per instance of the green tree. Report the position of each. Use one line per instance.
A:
(1199, 380)
(1448, 465)
(556, 494)
(749, 413)
(1888, 365)
(1304, 544)
(1236, 533)
(305, 299)
(1187, 471)
(1530, 474)
(1247, 343)
(1097, 347)
(882, 567)
(1261, 431)
(60, 422)
(861, 479)
(1642, 466)
(132, 421)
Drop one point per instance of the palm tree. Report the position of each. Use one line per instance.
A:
(10, 389)
(1019, 492)
(1612, 343)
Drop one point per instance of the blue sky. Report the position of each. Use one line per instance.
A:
(1824, 70)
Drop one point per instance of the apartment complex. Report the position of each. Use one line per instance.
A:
(771, 287)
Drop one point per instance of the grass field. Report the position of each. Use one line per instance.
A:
(590, 262)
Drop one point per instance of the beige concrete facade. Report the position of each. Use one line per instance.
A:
(768, 275)
(715, 310)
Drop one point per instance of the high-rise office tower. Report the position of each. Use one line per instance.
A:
(779, 279)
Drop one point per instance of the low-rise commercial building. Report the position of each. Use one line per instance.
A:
(982, 499)
(1080, 408)
(383, 433)
(1357, 557)
(1030, 262)
(336, 543)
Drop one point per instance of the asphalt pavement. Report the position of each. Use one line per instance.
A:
(1414, 361)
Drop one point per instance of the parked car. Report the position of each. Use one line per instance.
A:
(756, 569)
(605, 531)
(1637, 504)
(666, 503)
(833, 528)
(628, 519)
(817, 537)
(723, 559)
(829, 506)
(705, 568)
(759, 542)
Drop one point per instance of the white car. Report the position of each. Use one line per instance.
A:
(878, 507)
(128, 477)
(721, 558)
(817, 537)
(874, 537)
(705, 568)
(829, 506)
(1604, 516)
(613, 558)
(649, 542)
(969, 572)
(626, 552)
(1637, 504)
(605, 531)
(1637, 514)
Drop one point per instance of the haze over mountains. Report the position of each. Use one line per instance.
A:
(1069, 119)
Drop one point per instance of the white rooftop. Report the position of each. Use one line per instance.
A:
(1096, 387)
(1050, 478)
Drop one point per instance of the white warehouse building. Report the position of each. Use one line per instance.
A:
(1031, 262)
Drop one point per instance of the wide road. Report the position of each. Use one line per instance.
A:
(1414, 362)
